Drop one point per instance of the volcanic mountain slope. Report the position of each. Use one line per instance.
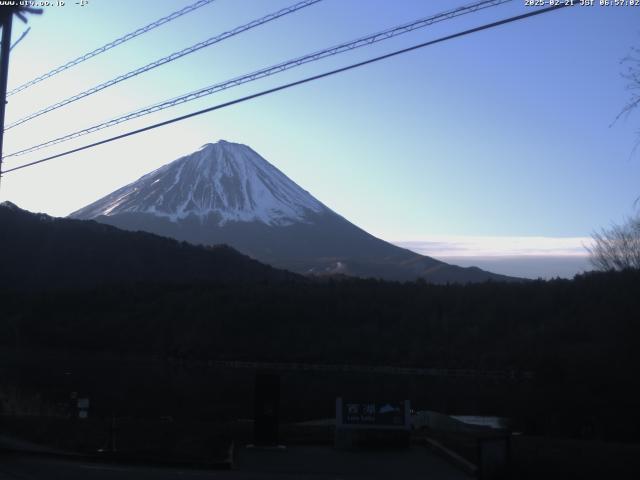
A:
(227, 193)
(43, 253)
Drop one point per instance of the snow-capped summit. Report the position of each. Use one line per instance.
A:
(228, 181)
(225, 193)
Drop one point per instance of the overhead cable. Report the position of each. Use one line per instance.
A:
(164, 60)
(112, 44)
(293, 84)
(265, 72)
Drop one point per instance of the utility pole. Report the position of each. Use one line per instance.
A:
(7, 20)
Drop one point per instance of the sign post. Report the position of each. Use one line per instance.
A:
(267, 406)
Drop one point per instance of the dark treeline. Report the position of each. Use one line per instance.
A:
(591, 319)
(579, 337)
(78, 286)
(43, 252)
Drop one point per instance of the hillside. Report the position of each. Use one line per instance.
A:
(42, 252)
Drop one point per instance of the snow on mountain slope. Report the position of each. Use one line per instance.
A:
(228, 180)
(225, 193)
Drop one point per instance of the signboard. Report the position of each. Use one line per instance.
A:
(372, 414)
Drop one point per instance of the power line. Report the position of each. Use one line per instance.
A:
(112, 44)
(265, 72)
(6, 20)
(293, 84)
(167, 59)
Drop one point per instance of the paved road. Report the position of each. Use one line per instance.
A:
(325, 462)
(17, 467)
(304, 463)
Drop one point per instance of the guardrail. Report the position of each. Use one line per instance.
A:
(514, 375)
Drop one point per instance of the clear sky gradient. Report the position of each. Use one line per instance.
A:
(503, 135)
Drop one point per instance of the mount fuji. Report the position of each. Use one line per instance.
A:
(227, 193)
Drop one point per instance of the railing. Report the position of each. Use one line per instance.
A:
(387, 370)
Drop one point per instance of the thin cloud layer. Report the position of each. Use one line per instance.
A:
(480, 246)
(526, 257)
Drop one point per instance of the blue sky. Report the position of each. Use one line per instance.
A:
(501, 135)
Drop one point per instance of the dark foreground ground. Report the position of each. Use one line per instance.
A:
(317, 463)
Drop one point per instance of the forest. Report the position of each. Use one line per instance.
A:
(577, 337)
(82, 287)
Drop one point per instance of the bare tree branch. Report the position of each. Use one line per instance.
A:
(617, 248)
(632, 74)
